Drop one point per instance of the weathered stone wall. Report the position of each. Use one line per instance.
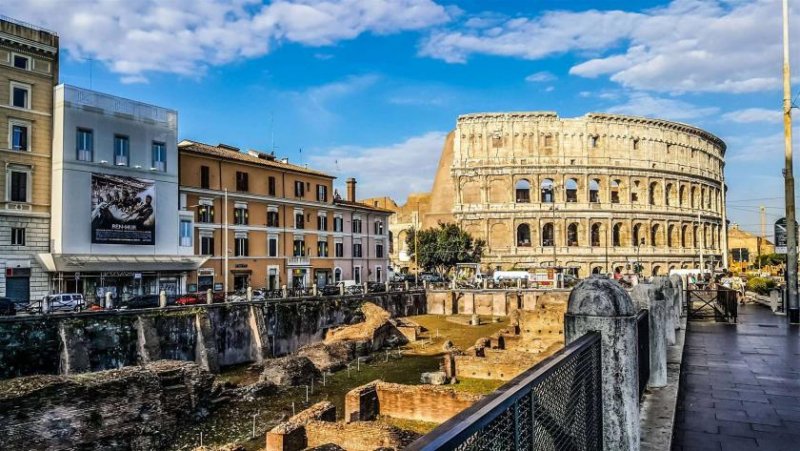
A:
(136, 408)
(291, 434)
(211, 335)
(428, 403)
(495, 365)
(488, 302)
(358, 436)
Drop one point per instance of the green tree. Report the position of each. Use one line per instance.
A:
(772, 259)
(438, 249)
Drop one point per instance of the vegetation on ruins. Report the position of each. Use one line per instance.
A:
(439, 249)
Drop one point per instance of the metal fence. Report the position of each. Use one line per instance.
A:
(643, 334)
(719, 303)
(555, 405)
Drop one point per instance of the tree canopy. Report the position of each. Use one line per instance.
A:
(440, 248)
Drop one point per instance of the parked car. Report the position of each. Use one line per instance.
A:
(329, 290)
(7, 307)
(143, 301)
(63, 302)
(431, 277)
(190, 299)
(376, 287)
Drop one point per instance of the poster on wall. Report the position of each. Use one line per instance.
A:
(123, 210)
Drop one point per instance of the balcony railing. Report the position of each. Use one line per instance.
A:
(298, 261)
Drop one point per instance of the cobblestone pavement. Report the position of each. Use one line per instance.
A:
(740, 385)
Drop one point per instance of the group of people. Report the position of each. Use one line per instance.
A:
(118, 206)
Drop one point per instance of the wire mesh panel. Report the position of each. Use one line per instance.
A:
(556, 405)
(643, 337)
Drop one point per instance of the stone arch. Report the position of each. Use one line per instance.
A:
(615, 188)
(684, 235)
(594, 235)
(547, 189)
(522, 190)
(470, 192)
(654, 195)
(656, 270)
(617, 234)
(548, 234)
(524, 235)
(693, 197)
(682, 200)
(635, 188)
(573, 234)
(637, 235)
(672, 236)
(571, 189)
(594, 190)
(498, 191)
(499, 236)
(656, 235)
(670, 195)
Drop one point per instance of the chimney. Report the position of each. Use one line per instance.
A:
(351, 189)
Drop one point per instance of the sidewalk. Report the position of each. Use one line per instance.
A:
(741, 385)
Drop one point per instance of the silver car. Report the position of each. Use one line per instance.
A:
(65, 302)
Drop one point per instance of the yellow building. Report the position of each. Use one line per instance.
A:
(745, 247)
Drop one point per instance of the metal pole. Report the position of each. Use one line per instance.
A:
(702, 242)
(416, 255)
(225, 244)
(788, 172)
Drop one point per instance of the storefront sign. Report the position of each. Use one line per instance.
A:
(240, 265)
(218, 287)
(117, 274)
(205, 272)
(781, 238)
(137, 275)
(123, 210)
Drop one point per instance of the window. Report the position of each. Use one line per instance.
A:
(299, 189)
(322, 248)
(240, 215)
(594, 191)
(339, 248)
(22, 62)
(572, 190)
(337, 275)
(523, 191)
(207, 245)
(205, 177)
(615, 191)
(20, 95)
(595, 238)
(593, 141)
(273, 246)
(523, 235)
(299, 220)
(273, 218)
(271, 186)
(17, 236)
(20, 135)
(378, 274)
(379, 250)
(547, 235)
(357, 274)
(241, 246)
(322, 222)
(241, 181)
(636, 144)
(18, 185)
(299, 248)
(322, 193)
(205, 213)
(121, 150)
(616, 235)
(338, 224)
(548, 191)
(356, 249)
(356, 225)
(186, 233)
(84, 144)
(159, 156)
(378, 228)
(572, 234)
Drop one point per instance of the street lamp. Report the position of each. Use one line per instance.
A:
(638, 256)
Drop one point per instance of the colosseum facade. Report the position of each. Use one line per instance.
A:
(596, 193)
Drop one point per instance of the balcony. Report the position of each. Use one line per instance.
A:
(298, 261)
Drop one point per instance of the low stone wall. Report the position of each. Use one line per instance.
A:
(136, 408)
(211, 335)
(291, 434)
(494, 365)
(428, 403)
(357, 436)
(489, 302)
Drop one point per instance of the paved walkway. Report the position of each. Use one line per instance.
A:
(740, 385)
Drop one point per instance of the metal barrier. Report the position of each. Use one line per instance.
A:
(643, 338)
(557, 404)
(720, 303)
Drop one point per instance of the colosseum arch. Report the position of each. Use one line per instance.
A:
(672, 236)
(548, 234)
(670, 195)
(470, 191)
(684, 232)
(594, 235)
(573, 234)
(693, 197)
(656, 235)
(682, 201)
(617, 234)
(499, 236)
(594, 190)
(522, 190)
(638, 235)
(524, 235)
(547, 189)
(571, 189)
(636, 191)
(615, 188)
(498, 191)
(656, 270)
(654, 194)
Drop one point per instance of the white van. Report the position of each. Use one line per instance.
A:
(511, 275)
(65, 302)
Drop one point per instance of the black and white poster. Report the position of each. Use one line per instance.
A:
(123, 210)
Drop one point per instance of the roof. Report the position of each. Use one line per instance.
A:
(232, 153)
(361, 206)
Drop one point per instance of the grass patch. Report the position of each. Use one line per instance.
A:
(420, 427)
(477, 386)
(462, 335)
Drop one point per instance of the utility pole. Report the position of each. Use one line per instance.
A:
(702, 242)
(763, 236)
(788, 173)
(225, 243)
(416, 240)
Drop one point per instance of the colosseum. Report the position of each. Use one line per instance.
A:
(594, 194)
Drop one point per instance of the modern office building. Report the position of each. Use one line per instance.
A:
(116, 226)
(265, 223)
(28, 73)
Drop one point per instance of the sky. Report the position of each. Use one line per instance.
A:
(369, 88)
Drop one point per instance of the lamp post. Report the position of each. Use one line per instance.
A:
(225, 243)
(788, 173)
(639, 265)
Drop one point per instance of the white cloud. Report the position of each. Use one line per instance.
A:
(641, 104)
(137, 37)
(412, 164)
(686, 46)
(316, 102)
(750, 115)
(540, 77)
(760, 148)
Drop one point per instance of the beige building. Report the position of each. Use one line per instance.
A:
(595, 193)
(28, 73)
(403, 219)
(745, 247)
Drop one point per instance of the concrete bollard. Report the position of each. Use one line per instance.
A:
(285, 291)
(314, 289)
(668, 291)
(475, 320)
(162, 299)
(209, 297)
(406, 285)
(485, 284)
(365, 288)
(650, 297)
(679, 299)
(774, 300)
(598, 304)
(249, 294)
(341, 290)
(109, 302)
(388, 286)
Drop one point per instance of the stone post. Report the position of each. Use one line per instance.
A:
(249, 294)
(598, 304)
(109, 301)
(648, 296)
(679, 299)
(365, 288)
(209, 297)
(667, 290)
(341, 290)
(285, 291)
(406, 285)
(388, 286)
(519, 284)
(46, 304)
(485, 284)
(313, 289)
(162, 299)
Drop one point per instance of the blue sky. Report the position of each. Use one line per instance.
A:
(368, 88)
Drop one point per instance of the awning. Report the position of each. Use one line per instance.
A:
(106, 263)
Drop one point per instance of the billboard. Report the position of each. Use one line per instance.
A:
(123, 210)
(781, 237)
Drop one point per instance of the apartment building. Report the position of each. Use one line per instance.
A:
(116, 227)
(265, 223)
(28, 73)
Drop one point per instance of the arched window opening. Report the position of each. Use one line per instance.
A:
(597, 270)
(523, 235)
(616, 235)
(595, 235)
(683, 235)
(523, 190)
(337, 275)
(635, 192)
(547, 188)
(682, 196)
(615, 191)
(668, 196)
(594, 191)
(638, 238)
(656, 270)
(693, 197)
(548, 236)
(655, 236)
(572, 234)
(670, 233)
(572, 190)
(695, 238)
(653, 193)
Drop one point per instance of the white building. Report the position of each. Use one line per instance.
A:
(115, 221)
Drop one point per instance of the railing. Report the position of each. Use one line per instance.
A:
(555, 405)
(298, 261)
(719, 303)
(643, 345)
